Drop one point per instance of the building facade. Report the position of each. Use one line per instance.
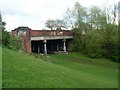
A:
(43, 41)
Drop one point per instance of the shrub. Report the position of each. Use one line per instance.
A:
(98, 43)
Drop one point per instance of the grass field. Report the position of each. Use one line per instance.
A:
(0, 67)
(71, 70)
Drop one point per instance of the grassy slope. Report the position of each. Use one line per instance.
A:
(21, 70)
(99, 67)
(0, 67)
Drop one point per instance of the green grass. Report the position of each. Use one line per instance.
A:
(57, 71)
(0, 67)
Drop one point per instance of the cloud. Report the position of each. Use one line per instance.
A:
(34, 13)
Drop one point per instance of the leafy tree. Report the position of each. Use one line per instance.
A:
(15, 43)
(76, 17)
(5, 36)
(69, 18)
(7, 39)
(101, 37)
(97, 18)
(0, 28)
(80, 15)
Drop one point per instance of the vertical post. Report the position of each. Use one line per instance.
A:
(33, 48)
(38, 49)
(57, 47)
(45, 48)
(64, 45)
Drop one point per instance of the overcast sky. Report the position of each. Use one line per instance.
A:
(34, 13)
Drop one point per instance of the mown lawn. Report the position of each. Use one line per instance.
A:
(71, 70)
(0, 67)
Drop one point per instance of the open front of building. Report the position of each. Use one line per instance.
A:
(50, 46)
(44, 41)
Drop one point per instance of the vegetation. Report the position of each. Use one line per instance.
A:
(55, 24)
(59, 71)
(7, 40)
(12, 42)
(0, 67)
(95, 35)
(95, 31)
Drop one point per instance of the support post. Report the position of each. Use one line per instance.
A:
(57, 47)
(38, 49)
(64, 45)
(45, 48)
(33, 48)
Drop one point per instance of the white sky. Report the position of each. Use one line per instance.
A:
(34, 13)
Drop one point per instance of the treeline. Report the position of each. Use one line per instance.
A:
(95, 31)
(9, 41)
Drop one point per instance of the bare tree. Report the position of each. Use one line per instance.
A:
(50, 24)
(114, 13)
(55, 24)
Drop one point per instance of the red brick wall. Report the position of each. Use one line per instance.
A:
(50, 33)
(28, 41)
(14, 32)
(35, 33)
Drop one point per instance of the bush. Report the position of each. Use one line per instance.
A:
(10, 41)
(5, 38)
(98, 43)
(93, 42)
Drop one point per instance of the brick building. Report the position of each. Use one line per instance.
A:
(43, 41)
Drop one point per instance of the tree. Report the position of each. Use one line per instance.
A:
(0, 28)
(101, 38)
(6, 38)
(97, 18)
(55, 24)
(80, 15)
(119, 20)
(4, 35)
(59, 24)
(0, 22)
(111, 14)
(50, 24)
(114, 12)
(69, 18)
(76, 17)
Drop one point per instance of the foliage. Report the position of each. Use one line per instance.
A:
(7, 39)
(15, 43)
(93, 41)
(110, 44)
(97, 18)
(76, 17)
(12, 42)
(101, 32)
(98, 43)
